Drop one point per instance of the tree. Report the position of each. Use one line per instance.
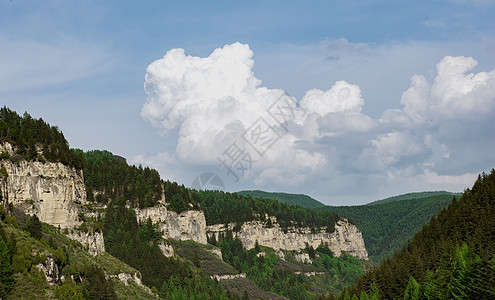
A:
(34, 227)
(6, 274)
(96, 286)
(412, 290)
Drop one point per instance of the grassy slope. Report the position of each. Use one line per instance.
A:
(291, 199)
(31, 284)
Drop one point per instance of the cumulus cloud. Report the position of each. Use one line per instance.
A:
(325, 142)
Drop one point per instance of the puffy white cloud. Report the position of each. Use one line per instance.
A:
(327, 143)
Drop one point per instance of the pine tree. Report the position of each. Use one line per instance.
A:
(6, 274)
(412, 290)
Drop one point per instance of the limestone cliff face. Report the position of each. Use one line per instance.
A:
(92, 240)
(346, 237)
(52, 191)
(188, 225)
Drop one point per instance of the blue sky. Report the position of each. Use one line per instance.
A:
(81, 65)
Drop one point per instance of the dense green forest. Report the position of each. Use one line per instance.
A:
(451, 257)
(416, 195)
(221, 208)
(137, 245)
(271, 273)
(291, 199)
(109, 177)
(386, 227)
(34, 139)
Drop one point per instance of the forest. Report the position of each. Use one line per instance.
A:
(35, 140)
(388, 225)
(451, 257)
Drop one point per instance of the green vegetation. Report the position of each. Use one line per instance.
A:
(108, 177)
(221, 208)
(138, 245)
(386, 227)
(34, 139)
(451, 257)
(291, 199)
(26, 245)
(417, 195)
(286, 277)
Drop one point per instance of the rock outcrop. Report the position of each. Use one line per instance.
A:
(91, 240)
(188, 225)
(345, 238)
(50, 269)
(52, 191)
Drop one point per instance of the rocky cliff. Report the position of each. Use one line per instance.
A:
(188, 225)
(52, 191)
(345, 238)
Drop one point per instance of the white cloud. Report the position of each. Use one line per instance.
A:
(329, 142)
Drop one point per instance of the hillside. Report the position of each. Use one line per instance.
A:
(291, 199)
(416, 195)
(451, 257)
(159, 229)
(39, 262)
(387, 226)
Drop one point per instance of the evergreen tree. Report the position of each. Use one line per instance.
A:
(412, 290)
(6, 273)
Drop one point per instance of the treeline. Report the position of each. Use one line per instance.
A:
(222, 207)
(138, 246)
(451, 257)
(386, 227)
(108, 177)
(34, 139)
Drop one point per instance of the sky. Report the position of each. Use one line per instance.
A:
(346, 101)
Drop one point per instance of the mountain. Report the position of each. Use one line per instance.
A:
(175, 241)
(416, 195)
(291, 199)
(453, 256)
(387, 226)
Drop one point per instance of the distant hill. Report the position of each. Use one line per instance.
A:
(387, 226)
(291, 199)
(416, 195)
(452, 257)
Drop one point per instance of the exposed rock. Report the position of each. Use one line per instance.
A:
(228, 276)
(92, 240)
(188, 225)
(125, 277)
(345, 238)
(216, 251)
(167, 250)
(310, 273)
(52, 191)
(50, 269)
(304, 258)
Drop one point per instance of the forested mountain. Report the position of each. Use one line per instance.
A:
(387, 226)
(417, 195)
(35, 140)
(291, 199)
(221, 207)
(451, 257)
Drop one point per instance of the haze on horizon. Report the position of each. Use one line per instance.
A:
(388, 97)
